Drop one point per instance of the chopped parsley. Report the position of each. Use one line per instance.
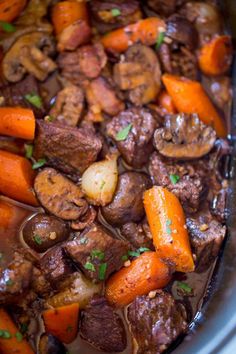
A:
(125, 257)
(34, 99)
(122, 134)
(115, 12)
(168, 230)
(97, 254)
(7, 27)
(37, 239)
(5, 334)
(138, 252)
(89, 266)
(83, 241)
(174, 179)
(160, 40)
(143, 249)
(102, 271)
(184, 288)
(49, 118)
(168, 222)
(28, 150)
(18, 336)
(133, 253)
(24, 327)
(9, 282)
(39, 163)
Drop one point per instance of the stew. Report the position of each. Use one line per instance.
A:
(113, 171)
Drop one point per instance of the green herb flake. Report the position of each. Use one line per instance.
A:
(168, 230)
(19, 337)
(143, 249)
(37, 239)
(160, 40)
(174, 179)
(49, 118)
(168, 222)
(122, 134)
(28, 150)
(34, 99)
(69, 329)
(184, 287)
(5, 334)
(97, 254)
(83, 241)
(7, 27)
(24, 327)
(89, 266)
(102, 271)
(38, 164)
(133, 253)
(9, 282)
(102, 185)
(124, 258)
(115, 12)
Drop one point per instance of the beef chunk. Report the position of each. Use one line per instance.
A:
(69, 149)
(15, 279)
(206, 237)
(96, 252)
(102, 327)
(127, 204)
(139, 235)
(55, 265)
(137, 146)
(14, 94)
(189, 187)
(86, 62)
(156, 322)
(163, 7)
(74, 35)
(218, 206)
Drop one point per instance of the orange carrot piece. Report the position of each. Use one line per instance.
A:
(17, 122)
(167, 224)
(165, 101)
(11, 9)
(16, 178)
(144, 274)
(145, 31)
(65, 13)
(189, 97)
(216, 56)
(7, 213)
(15, 344)
(62, 322)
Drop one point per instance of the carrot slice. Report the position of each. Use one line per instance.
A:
(216, 56)
(65, 13)
(144, 274)
(165, 101)
(16, 178)
(11, 9)
(167, 224)
(189, 97)
(7, 213)
(17, 122)
(62, 322)
(11, 340)
(145, 31)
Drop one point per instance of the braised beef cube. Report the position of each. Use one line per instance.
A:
(97, 252)
(55, 265)
(40, 284)
(206, 237)
(181, 179)
(218, 206)
(127, 203)
(15, 279)
(139, 235)
(66, 148)
(136, 146)
(163, 7)
(14, 94)
(156, 322)
(102, 327)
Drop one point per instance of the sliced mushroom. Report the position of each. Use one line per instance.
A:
(139, 74)
(59, 195)
(182, 31)
(184, 137)
(30, 53)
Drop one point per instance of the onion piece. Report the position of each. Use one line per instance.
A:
(99, 181)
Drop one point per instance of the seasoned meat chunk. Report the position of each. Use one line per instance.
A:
(163, 7)
(206, 237)
(219, 207)
(182, 179)
(86, 62)
(59, 195)
(139, 235)
(127, 204)
(15, 279)
(55, 265)
(68, 106)
(103, 13)
(74, 35)
(182, 31)
(184, 137)
(102, 327)
(156, 322)
(137, 146)
(69, 149)
(97, 252)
